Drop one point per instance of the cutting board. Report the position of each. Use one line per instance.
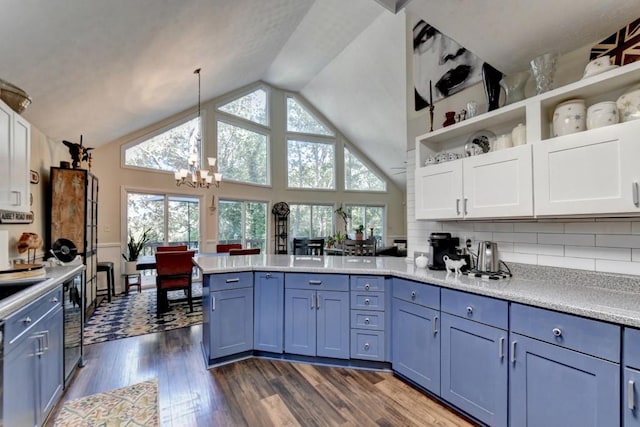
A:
(23, 271)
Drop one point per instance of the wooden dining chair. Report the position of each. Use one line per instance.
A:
(359, 247)
(249, 251)
(173, 248)
(221, 248)
(174, 270)
(308, 246)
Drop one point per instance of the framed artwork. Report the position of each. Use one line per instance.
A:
(441, 67)
(623, 45)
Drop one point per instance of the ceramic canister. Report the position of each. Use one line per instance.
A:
(629, 105)
(502, 142)
(602, 114)
(519, 135)
(569, 117)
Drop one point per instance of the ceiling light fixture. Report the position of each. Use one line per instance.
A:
(194, 177)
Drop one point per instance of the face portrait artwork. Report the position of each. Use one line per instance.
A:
(441, 60)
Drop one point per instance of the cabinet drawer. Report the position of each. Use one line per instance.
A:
(418, 293)
(325, 282)
(26, 317)
(367, 300)
(481, 309)
(373, 320)
(367, 283)
(632, 347)
(367, 345)
(224, 281)
(585, 335)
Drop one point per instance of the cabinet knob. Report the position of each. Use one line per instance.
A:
(366, 321)
(26, 320)
(557, 332)
(367, 301)
(54, 300)
(268, 275)
(366, 346)
(413, 294)
(367, 286)
(469, 310)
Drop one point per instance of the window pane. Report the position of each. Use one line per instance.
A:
(256, 225)
(310, 164)
(300, 120)
(146, 211)
(357, 176)
(252, 107)
(369, 216)
(322, 221)
(242, 154)
(310, 221)
(168, 151)
(229, 222)
(184, 222)
(300, 221)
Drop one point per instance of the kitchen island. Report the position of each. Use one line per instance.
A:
(474, 343)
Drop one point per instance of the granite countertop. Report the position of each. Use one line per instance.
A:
(54, 277)
(608, 297)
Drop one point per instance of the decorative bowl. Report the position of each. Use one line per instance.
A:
(14, 97)
(602, 114)
(598, 66)
(569, 117)
(629, 105)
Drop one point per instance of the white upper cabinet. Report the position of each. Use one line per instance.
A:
(15, 141)
(594, 172)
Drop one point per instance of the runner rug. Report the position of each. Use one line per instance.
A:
(135, 314)
(135, 405)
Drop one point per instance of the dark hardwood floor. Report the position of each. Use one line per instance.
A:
(252, 392)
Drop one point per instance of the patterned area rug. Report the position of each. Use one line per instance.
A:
(135, 405)
(135, 314)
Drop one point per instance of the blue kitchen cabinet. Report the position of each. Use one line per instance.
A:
(33, 364)
(475, 368)
(231, 322)
(268, 314)
(416, 343)
(630, 401)
(316, 315)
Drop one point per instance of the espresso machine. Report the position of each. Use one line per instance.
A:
(441, 244)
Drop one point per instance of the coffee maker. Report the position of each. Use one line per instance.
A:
(441, 244)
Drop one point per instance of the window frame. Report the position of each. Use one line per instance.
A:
(243, 201)
(314, 140)
(383, 226)
(160, 130)
(365, 163)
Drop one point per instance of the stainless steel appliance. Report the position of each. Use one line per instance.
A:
(441, 244)
(73, 306)
(488, 261)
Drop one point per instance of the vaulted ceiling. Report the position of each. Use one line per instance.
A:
(106, 68)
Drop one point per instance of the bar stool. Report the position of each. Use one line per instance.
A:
(107, 267)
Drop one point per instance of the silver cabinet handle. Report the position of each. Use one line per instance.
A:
(237, 279)
(213, 303)
(631, 401)
(318, 301)
(636, 193)
(40, 350)
(315, 282)
(435, 325)
(366, 321)
(19, 198)
(501, 348)
(313, 301)
(268, 275)
(469, 311)
(26, 320)
(54, 300)
(457, 206)
(366, 346)
(513, 351)
(413, 294)
(557, 332)
(45, 336)
(366, 287)
(464, 205)
(367, 301)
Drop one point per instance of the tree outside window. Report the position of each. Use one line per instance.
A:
(368, 216)
(357, 176)
(310, 221)
(242, 154)
(310, 165)
(243, 222)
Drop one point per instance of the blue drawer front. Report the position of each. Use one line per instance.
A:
(481, 309)
(373, 320)
(368, 345)
(326, 282)
(367, 283)
(417, 293)
(631, 347)
(367, 300)
(224, 281)
(23, 319)
(585, 335)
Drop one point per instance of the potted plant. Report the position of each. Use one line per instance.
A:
(331, 240)
(359, 232)
(339, 237)
(134, 249)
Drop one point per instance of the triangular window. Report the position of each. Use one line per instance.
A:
(299, 119)
(357, 176)
(252, 107)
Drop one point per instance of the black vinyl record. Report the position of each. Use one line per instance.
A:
(65, 250)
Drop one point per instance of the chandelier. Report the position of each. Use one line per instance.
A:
(193, 176)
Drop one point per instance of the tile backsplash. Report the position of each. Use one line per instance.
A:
(594, 244)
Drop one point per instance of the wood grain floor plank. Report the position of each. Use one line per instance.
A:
(278, 412)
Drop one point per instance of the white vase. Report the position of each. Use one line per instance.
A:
(519, 135)
(513, 86)
(130, 268)
(543, 69)
(569, 117)
(422, 261)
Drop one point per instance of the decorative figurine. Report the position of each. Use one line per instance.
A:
(78, 153)
(453, 264)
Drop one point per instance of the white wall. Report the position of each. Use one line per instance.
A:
(605, 245)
